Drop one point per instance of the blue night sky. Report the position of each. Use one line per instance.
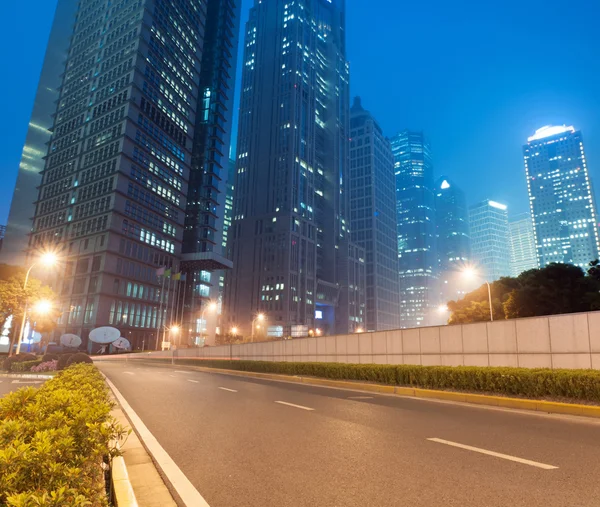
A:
(477, 77)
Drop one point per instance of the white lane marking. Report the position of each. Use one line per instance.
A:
(230, 390)
(27, 381)
(174, 376)
(184, 488)
(292, 405)
(194, 381)
(178, 371)
(360, 397)
(495, 454)
(129, 372)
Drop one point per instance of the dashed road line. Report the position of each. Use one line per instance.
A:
(194, 381)
(360, 397)
(226, 389)
(293, 405)
(495, 454)
(129, 372)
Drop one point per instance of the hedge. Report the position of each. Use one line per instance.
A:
(25, 366)
(54, 440)
(530, 383)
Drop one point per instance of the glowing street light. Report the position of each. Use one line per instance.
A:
(42, 307)
(47, 259)
(234, 331)
(318, 332)
(175, 329)
(443, 309)
(260, 318)
(359, 330)
(470, 274)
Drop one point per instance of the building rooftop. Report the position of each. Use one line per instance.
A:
(549, 131)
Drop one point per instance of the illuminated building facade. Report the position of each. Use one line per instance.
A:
(561, 199)
(415, 211)
(135, 169)
(522, 244)
(490, 239)
(373, 216)
(290, 238)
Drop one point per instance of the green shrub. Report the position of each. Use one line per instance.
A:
(49, 357)
(62, 361)
(54, 439)
(25, 366)
(9, 362)
(79, 357)
(530, 383)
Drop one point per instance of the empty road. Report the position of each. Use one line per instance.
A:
(254, 443)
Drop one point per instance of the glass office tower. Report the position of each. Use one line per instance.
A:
(490, 239)
(29, 178)
(522, 244)
(415, 207)
(561, 199)
(453, 239)
(135, 133)
(289, 237)
(373, 216)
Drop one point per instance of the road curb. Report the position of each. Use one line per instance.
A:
(122, 490)
(549, 407)
(25, 375)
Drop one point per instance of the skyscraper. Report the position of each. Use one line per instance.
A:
(29, 176)
(2, 233)
(561, 200)
(373, 216)
(490, 239)
(136, 131)
(522, 244)
(453, 238)
(415, 208)
(290, 237)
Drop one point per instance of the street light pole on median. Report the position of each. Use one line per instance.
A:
(48, 260)
(471, 273)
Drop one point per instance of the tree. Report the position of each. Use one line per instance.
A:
(594, 269)
(13, 299)
(474, 307)
(552, 290)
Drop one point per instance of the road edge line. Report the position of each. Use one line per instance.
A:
(180, 483)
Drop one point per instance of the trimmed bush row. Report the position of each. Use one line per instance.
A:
(531, 383)
(27, 362)
(54, 440)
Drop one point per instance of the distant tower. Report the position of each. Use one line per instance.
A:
(522, 244)
(490, 239)
(290, 232)
(415, 207)
(453, 238)
(561, 199)
(373, 216)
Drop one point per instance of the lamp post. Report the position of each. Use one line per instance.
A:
(471, 273)
(260, 317)
(212, 306)
(48, 260)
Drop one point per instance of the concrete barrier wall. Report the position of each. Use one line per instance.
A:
(561, 341)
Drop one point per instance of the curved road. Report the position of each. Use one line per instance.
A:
(253, 443)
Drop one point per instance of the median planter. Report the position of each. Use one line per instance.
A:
(582, 385)
(55, 439)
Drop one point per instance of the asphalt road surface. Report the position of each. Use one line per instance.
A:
(248, 442)
(9, 384)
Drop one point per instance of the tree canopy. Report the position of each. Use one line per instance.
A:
(13, 299)
(554, 289)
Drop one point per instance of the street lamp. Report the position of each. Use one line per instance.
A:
(260, 317)
(470, 273)
(442, 309)
(359, 330)
(48, 259)
(234, 331)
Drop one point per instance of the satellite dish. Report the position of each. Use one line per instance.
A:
(70, 340)
(121, 343)
(104, 334)
(36, 337)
